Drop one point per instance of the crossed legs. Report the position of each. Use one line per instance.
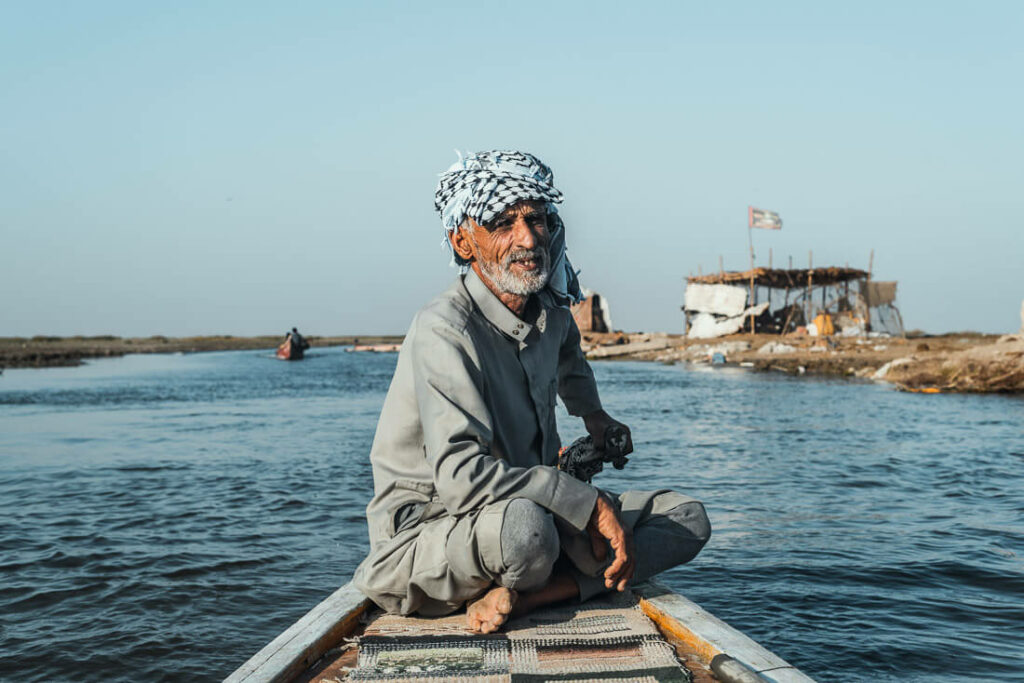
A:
(529, 549)
(668, 528)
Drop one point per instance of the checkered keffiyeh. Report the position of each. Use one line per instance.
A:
(482, 185)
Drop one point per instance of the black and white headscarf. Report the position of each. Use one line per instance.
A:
(482, 185)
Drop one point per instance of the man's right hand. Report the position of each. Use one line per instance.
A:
(605, 525)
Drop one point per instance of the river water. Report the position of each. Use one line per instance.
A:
(163, 517)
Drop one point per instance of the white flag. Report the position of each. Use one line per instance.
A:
(759, 218)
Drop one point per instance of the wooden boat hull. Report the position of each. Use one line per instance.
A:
(300, 647)
(289, 350)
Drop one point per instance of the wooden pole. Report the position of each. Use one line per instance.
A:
(788, 317)
(789, 312)
(867, 283)
(807, 298)
(753, 300)
(769, 258)
(753, 292)
(686, 313)
(721, 268)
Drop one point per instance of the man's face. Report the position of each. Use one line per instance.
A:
(512, 249)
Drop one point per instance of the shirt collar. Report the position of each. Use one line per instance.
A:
(495, 311)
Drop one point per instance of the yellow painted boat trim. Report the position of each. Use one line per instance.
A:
(709, 636)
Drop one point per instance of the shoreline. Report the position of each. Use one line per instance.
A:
(961, 362)
(52, 352)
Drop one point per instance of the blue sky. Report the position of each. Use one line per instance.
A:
(239, 168)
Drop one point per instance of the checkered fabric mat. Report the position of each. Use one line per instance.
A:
(606, 639)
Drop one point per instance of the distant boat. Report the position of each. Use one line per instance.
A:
(376, 348)
(289, 350)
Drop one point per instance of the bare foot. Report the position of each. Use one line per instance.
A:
(487, 613)
(561, 586)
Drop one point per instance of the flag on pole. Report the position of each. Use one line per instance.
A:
(759, 218)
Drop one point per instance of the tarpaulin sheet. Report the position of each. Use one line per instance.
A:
(718, 299)
(705, 325)
(880, 293)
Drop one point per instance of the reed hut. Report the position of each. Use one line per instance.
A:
(783, 300)
(592, 314)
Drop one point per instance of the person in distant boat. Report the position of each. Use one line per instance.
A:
(469, 508)
(298, 340)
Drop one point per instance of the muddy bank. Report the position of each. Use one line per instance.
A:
(959, 362)
(988, 368)
(40, 352)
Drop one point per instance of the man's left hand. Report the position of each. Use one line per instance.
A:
(598, 422)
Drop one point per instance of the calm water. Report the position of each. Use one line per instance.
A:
(163, 517)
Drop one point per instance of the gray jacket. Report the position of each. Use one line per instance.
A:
(469, 419)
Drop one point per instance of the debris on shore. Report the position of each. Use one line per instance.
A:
(990, 368)
(958, 362)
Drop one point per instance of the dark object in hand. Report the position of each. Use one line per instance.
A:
(582, 460)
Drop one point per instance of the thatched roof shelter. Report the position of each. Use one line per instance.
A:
(729, 301)
(782, 278)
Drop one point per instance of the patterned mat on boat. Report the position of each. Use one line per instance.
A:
(606, 639)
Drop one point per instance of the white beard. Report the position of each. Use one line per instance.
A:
(523, 284)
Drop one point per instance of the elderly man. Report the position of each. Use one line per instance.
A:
(469, 506)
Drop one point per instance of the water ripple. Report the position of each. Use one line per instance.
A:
(199, 504)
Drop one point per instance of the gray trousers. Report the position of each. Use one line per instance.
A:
(515, 543)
